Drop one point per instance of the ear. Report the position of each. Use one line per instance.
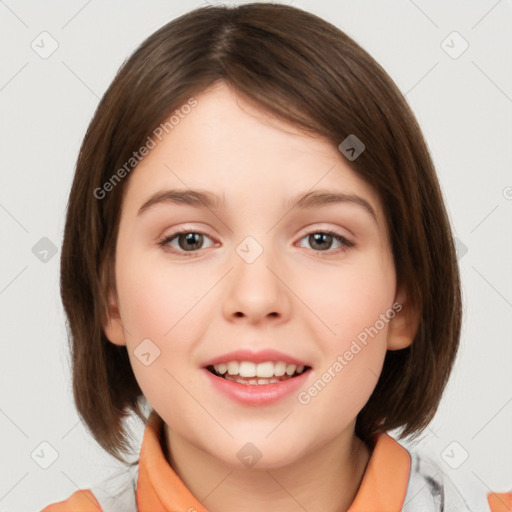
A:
(112, 324)
(404, 325)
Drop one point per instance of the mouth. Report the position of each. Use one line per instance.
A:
(257, 374)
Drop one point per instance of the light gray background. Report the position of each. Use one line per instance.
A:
(464, 106)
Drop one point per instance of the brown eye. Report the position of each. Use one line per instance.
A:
(187, 242)
(190, 241)
(322, 241)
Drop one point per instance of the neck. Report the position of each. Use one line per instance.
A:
(325, 480)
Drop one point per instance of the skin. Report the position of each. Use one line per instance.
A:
(304, 300)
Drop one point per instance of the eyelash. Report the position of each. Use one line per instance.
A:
(346, 244)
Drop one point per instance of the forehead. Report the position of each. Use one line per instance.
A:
(236, 150)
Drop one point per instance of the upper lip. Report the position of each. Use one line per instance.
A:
(260, 356)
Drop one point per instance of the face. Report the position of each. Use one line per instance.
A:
(253, 317)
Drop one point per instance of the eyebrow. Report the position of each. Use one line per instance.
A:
(206, 199)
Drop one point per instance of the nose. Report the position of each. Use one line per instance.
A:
(258, 288)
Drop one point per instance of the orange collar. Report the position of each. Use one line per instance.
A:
(159, 487)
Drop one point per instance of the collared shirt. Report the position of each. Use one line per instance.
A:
(394, 481)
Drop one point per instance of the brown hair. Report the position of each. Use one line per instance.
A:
(305, 71)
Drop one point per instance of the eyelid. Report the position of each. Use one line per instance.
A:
(185, 230)
(305, 231)
(346, 242)
(326, 227)
(335, 230)
(173, 231)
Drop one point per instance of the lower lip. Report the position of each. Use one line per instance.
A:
(257, 394)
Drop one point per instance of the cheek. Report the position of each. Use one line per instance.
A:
(162, 306)
(341, 389)
(156, 299)
(354, 304)
(348, 299)
(352, 361)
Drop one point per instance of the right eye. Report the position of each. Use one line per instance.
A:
(187, 241)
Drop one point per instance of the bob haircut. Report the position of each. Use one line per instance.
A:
(303, 70)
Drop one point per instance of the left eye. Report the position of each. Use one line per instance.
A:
(318, 240)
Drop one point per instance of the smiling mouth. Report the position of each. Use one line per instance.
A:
(249, 373)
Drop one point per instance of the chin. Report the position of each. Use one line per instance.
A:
(258, 453)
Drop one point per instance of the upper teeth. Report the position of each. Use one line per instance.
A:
(267, 369)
